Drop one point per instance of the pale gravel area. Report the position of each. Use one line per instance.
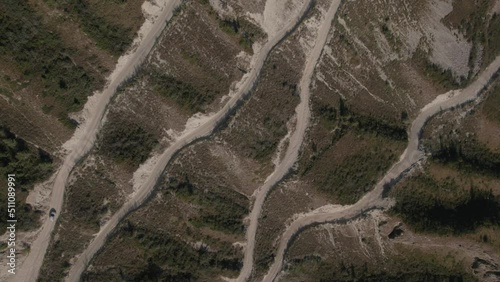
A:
(277, 14)
(496, 8)
(222, 8)
(449, 48)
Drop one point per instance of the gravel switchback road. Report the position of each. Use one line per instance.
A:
(374, 199)
(30, 267)
(244, 87)
(295, 143)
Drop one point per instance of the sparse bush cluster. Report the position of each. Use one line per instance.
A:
(169, 258)
(344, 117)
(246, 32)
(352, 178)
(184, 94)
(217, 211)
(412, 265)
(114, 38)
(30, 165)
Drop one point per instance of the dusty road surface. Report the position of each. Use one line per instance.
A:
(243, 88)
(295, 143)
(29, 269)
(408, 159)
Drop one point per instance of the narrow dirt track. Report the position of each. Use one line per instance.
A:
(408, 159)
(295, 143)
(30, 267)
(244, 88)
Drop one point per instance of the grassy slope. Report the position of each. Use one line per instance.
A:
(43, 60)
(409, 265)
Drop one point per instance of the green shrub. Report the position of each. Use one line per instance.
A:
(30, 165)
(126, 142)
(108, 36)
(467, 155)
(217, 211)
(245, 32)
(184, 94)
(170, 258)
(41, 56)
(441, 206)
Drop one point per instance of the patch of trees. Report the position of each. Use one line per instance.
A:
(217, 211)
(108, 36)
(380, 127)
(169, 258)
(344, 115)
(442, 76)
(126, 142)
(41, 55)
(417, 269)
(353, 177)
(30, 165)
(441, 206)
(468, 155)
(246, 32)
(183, 93)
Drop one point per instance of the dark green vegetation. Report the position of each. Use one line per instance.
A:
(467, 155)
(349, 180)
(343, 118)
(159, 255)
(111, 37)
(43, 60)
(371, 145)
(217, 211)
(245, 32)
(441, 76)
(411, 265)
(184, 94)
(30, 165)
(126, 142)
(443, 207)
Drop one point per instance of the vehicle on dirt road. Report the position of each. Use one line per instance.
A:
(52, 214)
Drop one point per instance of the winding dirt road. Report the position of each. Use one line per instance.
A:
(30, 267)
(303, 116)
(243, 88)
(408, 159)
